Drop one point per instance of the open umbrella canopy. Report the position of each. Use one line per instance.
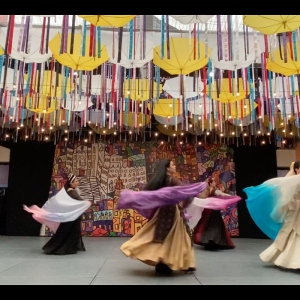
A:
(130, 58)
(76, 61)
(278, 65)
(166, 108)
(226, 95)
(190, 19)
(172, 87)
(238, 62)
(108, 20)
(181, 56)
(272, 24)
(168, 121)
(30, 53)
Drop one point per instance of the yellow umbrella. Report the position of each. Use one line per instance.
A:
(170, 130)
(45, 104)
(278, 65)
(199, 122)
(225, 95)
(1, 51)
(181, 56)
(142, 119)
(139, 89)
(278, 122)
(287, 131)
(108, 20)
(164, 108)
(235, 109)
(76, 61)
(102, 131)
(272, 24)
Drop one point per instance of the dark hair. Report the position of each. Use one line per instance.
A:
(296, 166)
(160, 177)
(71, 178)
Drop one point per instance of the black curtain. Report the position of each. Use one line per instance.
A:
(29, 181)
(253, 166)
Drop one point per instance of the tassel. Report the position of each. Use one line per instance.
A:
(279, 46)
(72, 34)
(206, 40)
(83, 43)
(255, 45)
(65, 50)
(91, 40)
(245, 42)
(247, 37)
(162, 47)
(144, 36)
(226, 44)
(219, 38)
(47, 35)
(294, 36)
(99, 41)
(62, 40)
(43, 36)
(284, 47)
(120, 37)
(11, 34)
(131, 24)
(291, 45)
(168, 38)
(22, 26)
(28, 46)
(198, 39)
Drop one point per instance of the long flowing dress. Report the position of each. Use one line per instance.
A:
(166, 238)
(67, 239)
(275, 208)
(211, 231)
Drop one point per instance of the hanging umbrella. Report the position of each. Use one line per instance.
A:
(135, 60)
(33, 55)
(181, 57)
(196, 107)
(168, 121)
(96, 84)
(166, 108)
(76, 61)
(108, 20)
(237, 108)
(128, 119)
(226, 96)
(291, 67)
(139, 89)
(78, 104)
(190, 19)
(236, 63)
(172, 87)
(9, 78)
(170, 130)
(94, 116)
(245, 121)
(103, 130)
(272, 24)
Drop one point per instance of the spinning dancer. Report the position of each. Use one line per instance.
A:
(211, 231)
(274, 206)
(62, 214)
(166, 240)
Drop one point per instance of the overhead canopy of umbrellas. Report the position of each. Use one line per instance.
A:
(113, 74)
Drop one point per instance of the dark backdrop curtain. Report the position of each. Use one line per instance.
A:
(253, 166)
(29, 183)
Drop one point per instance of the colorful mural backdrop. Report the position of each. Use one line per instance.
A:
(104, 170)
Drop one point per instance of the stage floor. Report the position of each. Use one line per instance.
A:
(22, 262)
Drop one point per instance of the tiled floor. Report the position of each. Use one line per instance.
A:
(22, 262)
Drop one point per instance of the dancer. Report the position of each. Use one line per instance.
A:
(275, 206)
(62, 214)
(211, 231)
(166, 240)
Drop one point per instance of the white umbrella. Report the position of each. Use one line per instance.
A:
(196, 107)
(245, 121)
(134, 61)
(236, 63)
(78, 104)
(96, 84)
(172, 87)
(34, 55)
(281, 85)
(9, 78)
(168, 121)
(94, 116)
(190, 19)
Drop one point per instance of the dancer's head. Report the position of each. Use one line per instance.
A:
(164, 169)
(212, 183)
(72, 181)
(296, 167)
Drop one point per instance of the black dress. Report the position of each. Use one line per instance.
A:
(67, 239)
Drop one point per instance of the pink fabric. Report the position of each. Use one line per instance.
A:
(40, 215)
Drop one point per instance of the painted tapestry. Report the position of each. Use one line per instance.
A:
(104, 170)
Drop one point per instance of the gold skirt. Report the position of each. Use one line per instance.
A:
(176, 251)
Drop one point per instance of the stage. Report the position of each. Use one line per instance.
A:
(22, 262)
